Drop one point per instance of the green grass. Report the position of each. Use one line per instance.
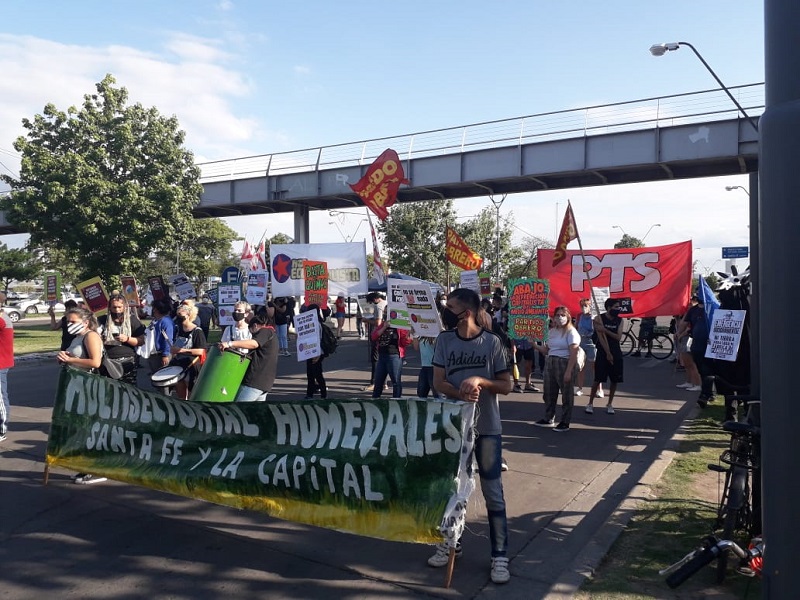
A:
(680, 512)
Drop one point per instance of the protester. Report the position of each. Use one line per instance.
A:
(85, 352)
(698, 325)
(263, 354)
(647, 329)
(163, 334)
(391, 344)
(188, 349)
(121, 332)
(561, 369)
(6, 362)
(608, 364)
(425, 346)
(585, 326)
(205, 312)
(683, 344)
(240, 329)
(315, 377)
(373, 321)
(61, 324)
(469, 364)
(282, 325)
(525, 356)
(360, 322)
(340, 313)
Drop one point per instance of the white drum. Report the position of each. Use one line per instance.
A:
(168, 376)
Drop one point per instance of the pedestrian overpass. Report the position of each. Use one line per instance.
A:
(697, 134)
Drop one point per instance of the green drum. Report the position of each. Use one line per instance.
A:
(220, 377)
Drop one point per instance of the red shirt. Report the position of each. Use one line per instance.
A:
(340, 305)
(6, 342)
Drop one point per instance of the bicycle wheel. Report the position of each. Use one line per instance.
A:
(735, 504)
(662, 347)
(627, 344)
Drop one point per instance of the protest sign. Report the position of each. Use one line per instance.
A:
(228, 294)
(315, 283)
(130, 290)
(257, 284)
(158, 288)
(183, 286)
(307, 326)
(485, 281)
(528, 306)
(470, 281)
(395, 469)
(347, 267)
(94, 295)
(411, 306)
(52, 288)
(725, 334)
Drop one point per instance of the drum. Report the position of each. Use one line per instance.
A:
(167, 376)
(220, 377)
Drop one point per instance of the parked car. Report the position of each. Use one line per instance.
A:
(14, 314)
(34, 306)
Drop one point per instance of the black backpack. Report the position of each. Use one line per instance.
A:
(329, 342)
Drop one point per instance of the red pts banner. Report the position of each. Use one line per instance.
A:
(658, 279)
(460, 254)
(378, 187)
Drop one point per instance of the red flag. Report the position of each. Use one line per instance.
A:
(260, 257)
(569, 232)
(378, 187)
(657, 279)
(246, 261)
(460, 254)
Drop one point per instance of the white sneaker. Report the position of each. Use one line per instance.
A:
(578, 391)
(694, 388)
(500, 572)
(600, 393)
(684, 385)
(610, 409)
(441, 557)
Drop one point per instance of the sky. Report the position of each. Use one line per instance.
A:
(261, 76)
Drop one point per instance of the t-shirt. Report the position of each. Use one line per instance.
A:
(696, 317)
(189, 339)
(6, 341)
(426, 349)
(263, 361)
(613, 325)
(560, 340)
(116, 349)
(482, 356)
(585, 324)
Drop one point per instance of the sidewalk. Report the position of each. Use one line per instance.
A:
(568, 495)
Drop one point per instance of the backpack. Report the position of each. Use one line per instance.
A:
(328, 342)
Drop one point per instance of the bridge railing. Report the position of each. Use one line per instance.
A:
(662, 111)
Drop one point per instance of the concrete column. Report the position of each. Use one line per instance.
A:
(301, 225)
(779, 290)
(755, 351)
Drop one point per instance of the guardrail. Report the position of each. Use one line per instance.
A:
(662, 111)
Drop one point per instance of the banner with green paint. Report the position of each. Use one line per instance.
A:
(395, 469)
(528, 309)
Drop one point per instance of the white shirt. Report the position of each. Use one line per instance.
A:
(560, 340)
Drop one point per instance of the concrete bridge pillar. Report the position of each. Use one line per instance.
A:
(301, 224)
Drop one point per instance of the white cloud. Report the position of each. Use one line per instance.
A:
(225, 5)
(302, 70)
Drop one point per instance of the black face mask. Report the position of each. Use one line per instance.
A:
(450, 318)
(238, 316)
(614, 312)
(181, 319)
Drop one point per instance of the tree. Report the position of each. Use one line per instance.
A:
(17, 265)
(280, 238)
(526, 265)
(106, 184)
(628, 241)
(480, 234)
(414, 238)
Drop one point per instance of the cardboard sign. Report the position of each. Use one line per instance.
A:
(528, 309)
(52, 287)
(308, 335)
(726, 334)
(315, 281)
(183, 287)
(470, 281)
(158, 288)
(94, 295)
(412, 306)
(130, 290)
(257, 285)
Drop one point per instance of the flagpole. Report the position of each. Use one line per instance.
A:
(583, 260)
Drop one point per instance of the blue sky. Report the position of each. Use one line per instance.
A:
(254, 77)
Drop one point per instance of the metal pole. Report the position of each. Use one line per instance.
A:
(497, 205)
(779, 222)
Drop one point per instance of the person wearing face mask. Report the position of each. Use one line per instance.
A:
(188, 349)
(85, 352)
(608, 364)
(263, 353)
(163, 334)
(121, 332)
(561, 369)
(240, 329)
(585, 326)
(469, 364)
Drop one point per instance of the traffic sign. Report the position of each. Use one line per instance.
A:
(735, 252)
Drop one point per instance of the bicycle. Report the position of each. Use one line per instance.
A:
(751, 560)
(659, 345)
(740, 503)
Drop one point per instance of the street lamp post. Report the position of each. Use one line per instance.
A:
(730, 188)
(651, 229)
(662, 49)
(641, 239)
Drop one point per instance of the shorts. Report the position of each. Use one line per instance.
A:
(526, 354)
(604, 371)
(340, 315)
(589, 348)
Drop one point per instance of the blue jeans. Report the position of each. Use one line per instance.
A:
(283, 336)
(5, 405)
(425, 383)
(391, 365)
(488, 450)
(250, 394)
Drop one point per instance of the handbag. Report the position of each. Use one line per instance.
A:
(149, 346)
(111, 368)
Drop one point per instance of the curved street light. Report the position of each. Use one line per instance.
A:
(730, 188)
(641, 239)
(662, 49)
(651, 229)
(620, 228)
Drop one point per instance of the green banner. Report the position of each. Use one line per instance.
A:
(391, 469)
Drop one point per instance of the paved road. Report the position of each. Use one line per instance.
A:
(113, 540)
